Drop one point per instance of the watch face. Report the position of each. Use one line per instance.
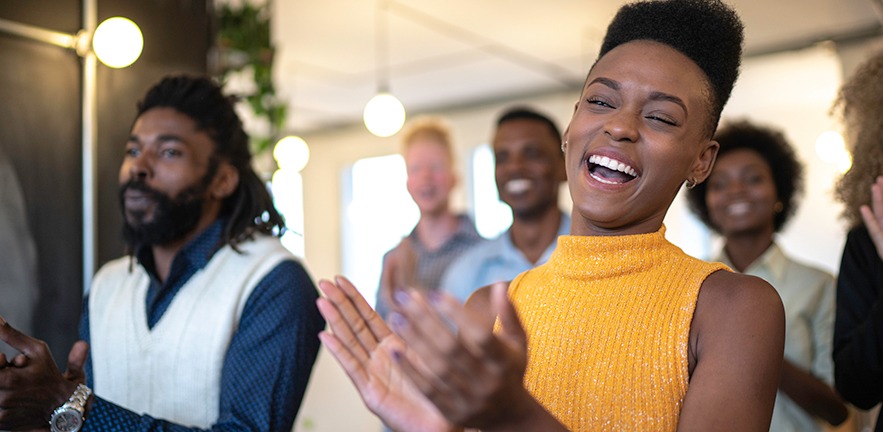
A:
(68, 420)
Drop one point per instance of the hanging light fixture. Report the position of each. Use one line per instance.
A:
(117, 42)
(384, 115)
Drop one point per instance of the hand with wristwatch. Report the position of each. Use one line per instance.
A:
(33, 376)
(70, 416)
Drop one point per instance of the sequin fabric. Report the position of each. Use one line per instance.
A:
(608, 323)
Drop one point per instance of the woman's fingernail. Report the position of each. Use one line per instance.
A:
(397, 320)
(401, 297)
(434, 297)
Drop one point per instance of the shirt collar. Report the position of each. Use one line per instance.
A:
(772, 261)
(506, 249)
(196, 253)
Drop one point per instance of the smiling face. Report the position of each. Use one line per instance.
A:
(529, 166)
(430, 175)
(169, 185)
(741, 194)
(638, 132)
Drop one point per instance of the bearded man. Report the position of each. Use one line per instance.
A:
(208, 323)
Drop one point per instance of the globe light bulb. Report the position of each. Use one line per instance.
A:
(117, 42)
(384, 115)
(291, 153)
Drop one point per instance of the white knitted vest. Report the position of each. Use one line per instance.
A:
(173, 371)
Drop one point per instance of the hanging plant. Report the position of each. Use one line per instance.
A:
(244, 45)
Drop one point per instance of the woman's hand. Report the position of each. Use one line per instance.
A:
(473, 375)
(365, 347)
(873, 215)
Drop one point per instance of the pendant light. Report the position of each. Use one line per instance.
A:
(384, 115)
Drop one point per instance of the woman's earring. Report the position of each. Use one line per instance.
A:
(691, 183)
(563, 145)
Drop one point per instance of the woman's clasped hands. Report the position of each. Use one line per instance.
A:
(441, 366)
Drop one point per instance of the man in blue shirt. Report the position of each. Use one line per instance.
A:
(529, 171)
(209, 323)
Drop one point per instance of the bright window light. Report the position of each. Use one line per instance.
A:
(831, 148)
(492, 216)
(287, 188)
(378, 212)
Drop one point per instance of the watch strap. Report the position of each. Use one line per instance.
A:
(78, 400)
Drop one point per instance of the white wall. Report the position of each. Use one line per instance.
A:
(792, 91)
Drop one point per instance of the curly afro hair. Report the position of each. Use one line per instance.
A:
(707, 31)
(861, 102)
(773, 148)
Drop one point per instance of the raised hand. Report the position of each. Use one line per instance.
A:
(873, 215)
(31, 386)
(366, 349)
(473, 375)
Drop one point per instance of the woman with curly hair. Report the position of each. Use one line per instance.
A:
(858, 326)
(751, 193)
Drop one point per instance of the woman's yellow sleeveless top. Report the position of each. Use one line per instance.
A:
(608, 324)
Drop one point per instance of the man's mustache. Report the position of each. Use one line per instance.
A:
(140, 187)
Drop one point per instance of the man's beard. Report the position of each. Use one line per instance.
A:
(173, 218)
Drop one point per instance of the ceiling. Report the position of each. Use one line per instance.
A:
(442, 54)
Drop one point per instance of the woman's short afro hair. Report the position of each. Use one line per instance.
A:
(707, 31)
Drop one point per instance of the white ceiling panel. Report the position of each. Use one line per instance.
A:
(449, 53)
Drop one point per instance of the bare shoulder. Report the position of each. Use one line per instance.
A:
(726, 293)
(734, 309)
(480, 299)
(736, 345)
(731, 304)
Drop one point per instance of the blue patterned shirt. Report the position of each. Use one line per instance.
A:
(268, 363)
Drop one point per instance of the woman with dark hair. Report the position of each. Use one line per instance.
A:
(749, 196)
(620, 330)
(858, 326)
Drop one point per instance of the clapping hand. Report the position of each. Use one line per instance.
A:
(473, 375)
(31, 386)
(444, 367)
(366, 349)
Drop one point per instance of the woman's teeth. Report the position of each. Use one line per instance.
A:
(613, 164)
